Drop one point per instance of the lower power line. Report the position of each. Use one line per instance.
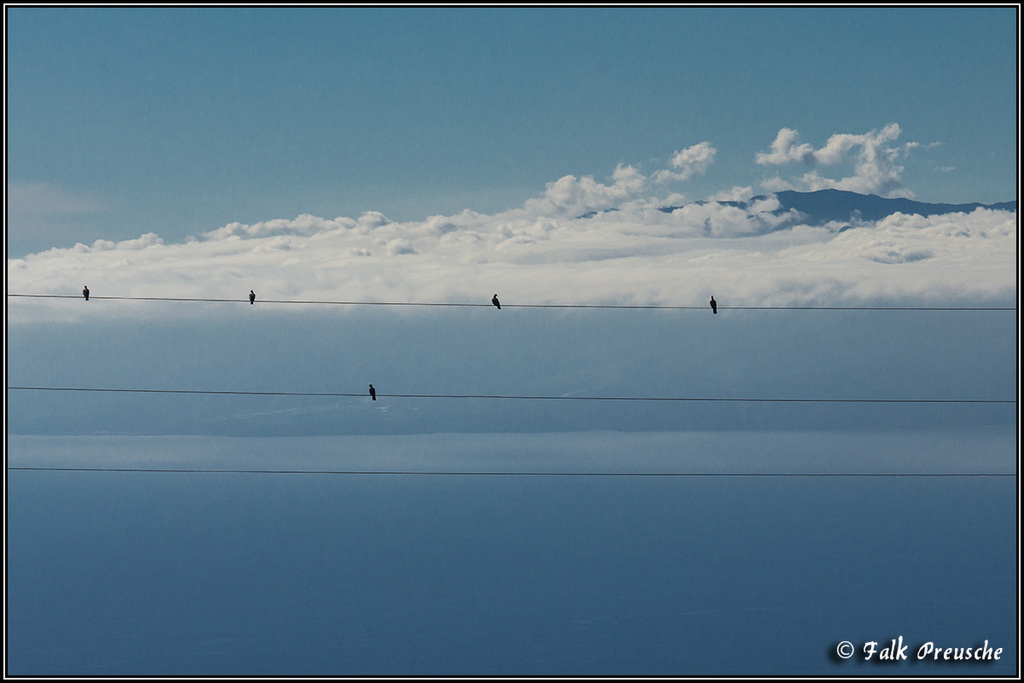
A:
(509, 397)
(504, 474)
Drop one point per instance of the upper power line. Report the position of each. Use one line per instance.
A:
(474, 473)
(252, 299)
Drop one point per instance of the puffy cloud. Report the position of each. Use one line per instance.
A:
(150, 239)
(689, 162)
(440, 225)
(304, 224)
(736, 194)
(786, 149)
(570, 195)
(398, 247)
(372, 219)
(874, 159)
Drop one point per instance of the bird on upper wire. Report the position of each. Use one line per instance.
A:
(85, 292)
(494, 300)
(373, 393)
(714, 305)
(252, 296)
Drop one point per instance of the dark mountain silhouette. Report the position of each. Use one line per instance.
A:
(839, 206)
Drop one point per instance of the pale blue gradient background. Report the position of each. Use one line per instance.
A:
(180, 120)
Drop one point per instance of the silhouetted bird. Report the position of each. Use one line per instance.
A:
(714, 305)
(373, 393)
(494, 300)
(252, 296)
(85, 293)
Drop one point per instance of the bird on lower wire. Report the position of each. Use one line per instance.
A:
(373, 393)
(252, 296)
(714, 305)
(494, 300)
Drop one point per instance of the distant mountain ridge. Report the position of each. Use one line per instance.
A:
(826, 206)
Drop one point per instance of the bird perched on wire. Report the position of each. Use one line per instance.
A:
(85, 292)
(373, 393)
(714, 305)
(252, 296)
(494, 300)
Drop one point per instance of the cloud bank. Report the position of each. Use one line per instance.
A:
(631, 238)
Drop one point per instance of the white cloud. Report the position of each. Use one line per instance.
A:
(689, 162)
(570, 195)
(304, 224)
(786, 149)
(873, 155)
(736, 194)
(372, 219)
(398, 247)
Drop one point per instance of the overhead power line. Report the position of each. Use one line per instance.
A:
(173, 470)
(508, 397)
(511, 305)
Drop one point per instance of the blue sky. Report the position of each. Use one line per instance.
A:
(178, 121)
